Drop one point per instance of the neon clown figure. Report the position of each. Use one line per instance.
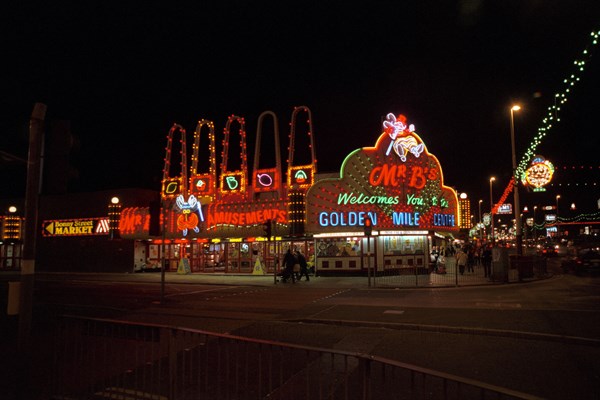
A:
(191, 214)
(402, 140)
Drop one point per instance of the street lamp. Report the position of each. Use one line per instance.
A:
(519, 233)
(480, 224)
(557, 225)
(492, 179)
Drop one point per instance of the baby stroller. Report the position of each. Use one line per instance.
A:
(286, 274)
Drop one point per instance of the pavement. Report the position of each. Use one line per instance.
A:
(448, 279)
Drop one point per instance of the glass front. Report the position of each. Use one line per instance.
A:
(338, 247)
(398, 245)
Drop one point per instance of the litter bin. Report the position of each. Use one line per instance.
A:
(523, 264)
(499, 264)
(14, 294)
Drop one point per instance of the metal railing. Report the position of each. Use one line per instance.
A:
(108, 359)
(448, 274)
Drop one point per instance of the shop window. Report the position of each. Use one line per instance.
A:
(396, 245)
(339, 264)
(325, 264)
(338, 247)
(352, 263)
(233, 257)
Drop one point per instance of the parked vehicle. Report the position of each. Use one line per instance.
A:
(582, 260)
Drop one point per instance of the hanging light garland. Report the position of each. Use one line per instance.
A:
(560, 99)
(552, 116)
(507, 191)
(591, 217)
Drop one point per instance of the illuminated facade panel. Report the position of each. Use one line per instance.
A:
(397, 183)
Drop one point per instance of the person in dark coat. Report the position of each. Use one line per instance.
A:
(487, 261)
(303, 266)
(288, 262)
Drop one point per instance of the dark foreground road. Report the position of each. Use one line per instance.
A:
(541, 338)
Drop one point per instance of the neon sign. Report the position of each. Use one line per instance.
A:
(403, 142)
(505, 208)
(402, 188)
(538, 174)
(75, 227)
(245, 218)
(202, 185)
(267, 180)
(264, 180)
(171, 187)
(301, 176)
(232, 182)
(191, 214)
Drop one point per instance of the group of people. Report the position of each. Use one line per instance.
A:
(467, 257)
(295, 267)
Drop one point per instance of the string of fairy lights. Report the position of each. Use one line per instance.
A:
(552, 117)
(560, 99)
(581, 218)
(582, 176)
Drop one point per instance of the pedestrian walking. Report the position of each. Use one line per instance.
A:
(487, 261)
(288, 263)
(303, 266)
(434, 257)
(461, 260)
(470, 259)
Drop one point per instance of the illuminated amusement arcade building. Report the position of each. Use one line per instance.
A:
(243, 220)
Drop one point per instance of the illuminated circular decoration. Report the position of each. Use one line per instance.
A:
(538, 174)
(265, 179)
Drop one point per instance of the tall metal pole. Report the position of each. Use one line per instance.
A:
(369, 258)
(36, 134)
(557, 225)
(534, 227)
(519, 235)
(163, 214)
(480, 222)
(492, 179)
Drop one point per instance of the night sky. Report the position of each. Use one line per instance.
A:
(123, 74)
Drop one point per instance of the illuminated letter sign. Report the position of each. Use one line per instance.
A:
(171, 187)
(232, 182)
(505, 209)
(397, 183)
(75, 227)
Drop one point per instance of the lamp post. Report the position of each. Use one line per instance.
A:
(492, 179)
(534, 226)
(557, 225)
(480, 223)
(519, 233)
